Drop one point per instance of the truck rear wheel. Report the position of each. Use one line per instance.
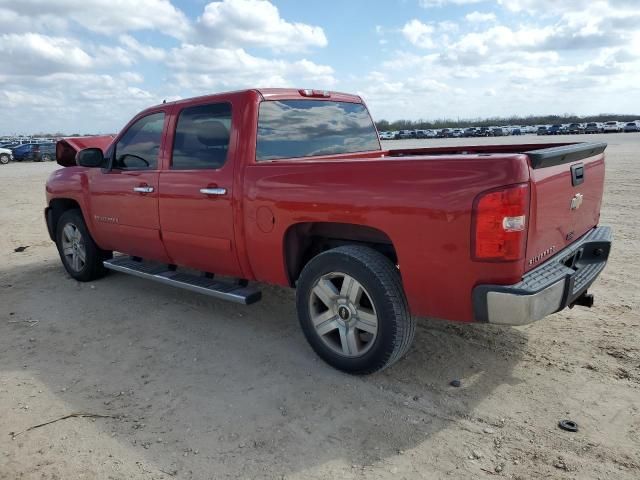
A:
(80, 255)
(353, 311)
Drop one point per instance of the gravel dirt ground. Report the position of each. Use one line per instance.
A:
(198, 388)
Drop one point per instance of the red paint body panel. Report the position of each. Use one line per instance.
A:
(421, 199)
(553, 223)
(424, 207)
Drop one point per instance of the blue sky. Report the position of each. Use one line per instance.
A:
(89, 65)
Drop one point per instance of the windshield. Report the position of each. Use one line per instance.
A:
(306, 128)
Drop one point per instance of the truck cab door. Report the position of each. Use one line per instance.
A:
(124, 197)
(196, 188)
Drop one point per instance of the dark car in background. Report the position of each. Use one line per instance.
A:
(402, 134)
(555, 130)
(593, 127)
(632, 127)
(38, 152)
(542, 130)
(575, 128)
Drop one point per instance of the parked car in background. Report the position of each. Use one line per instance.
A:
(632, 127)
(575, 128)
(483, 132)
(425, 134)
(497, 131)
(37, 152)
(457, 133)
(386, 136)
(406, 134)
(593, 127)
(542, 130)
(6, 155)
(469, 132)
(443, 133)
(555, 130)
(612, 127)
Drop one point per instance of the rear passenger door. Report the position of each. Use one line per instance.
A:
(196, 208)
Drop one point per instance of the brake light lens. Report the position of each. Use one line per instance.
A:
(500, 224)
(307, 92)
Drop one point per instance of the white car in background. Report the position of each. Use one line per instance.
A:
(612, 127)
(6, 156)
(387, 135)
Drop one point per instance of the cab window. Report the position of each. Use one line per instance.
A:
(202, 137)
(139, 147)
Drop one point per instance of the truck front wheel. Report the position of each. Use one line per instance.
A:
(353, 311)
(80, 255)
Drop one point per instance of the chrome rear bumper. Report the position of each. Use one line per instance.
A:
(552, 286)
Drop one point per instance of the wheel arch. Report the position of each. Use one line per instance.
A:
(57, 206)
(303, 241)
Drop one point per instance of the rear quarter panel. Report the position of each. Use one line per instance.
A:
(422, 204)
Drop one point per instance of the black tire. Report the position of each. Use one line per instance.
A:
(47, 157)
(382, 284)
(4, 158)
(92, 268)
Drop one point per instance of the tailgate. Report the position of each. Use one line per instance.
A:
(567, 183)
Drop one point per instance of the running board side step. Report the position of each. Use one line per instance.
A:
(245, 295)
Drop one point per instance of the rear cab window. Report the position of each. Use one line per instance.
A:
(308, 128)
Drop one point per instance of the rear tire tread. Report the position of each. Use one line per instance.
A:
(387, 274)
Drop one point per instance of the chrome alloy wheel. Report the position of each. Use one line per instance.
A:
(343, 314)
(73, 247)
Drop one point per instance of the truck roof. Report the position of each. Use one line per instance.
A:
(274, 94)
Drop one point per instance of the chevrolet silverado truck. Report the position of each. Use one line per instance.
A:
(291, 187)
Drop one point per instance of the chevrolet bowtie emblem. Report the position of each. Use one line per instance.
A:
(576, 201)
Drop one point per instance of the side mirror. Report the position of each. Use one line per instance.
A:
(90, 157)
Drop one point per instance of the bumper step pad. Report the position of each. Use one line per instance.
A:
(224, 290)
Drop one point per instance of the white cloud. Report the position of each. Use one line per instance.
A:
(255, 23)
(103, 16)
(145, 51)
(197, 67)
(419, 34)
(36, 54)
(479, 17)
(59, 101)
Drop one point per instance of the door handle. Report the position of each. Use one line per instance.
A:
(145, 189)
(214, 191)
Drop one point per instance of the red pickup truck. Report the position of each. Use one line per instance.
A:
(292, 187)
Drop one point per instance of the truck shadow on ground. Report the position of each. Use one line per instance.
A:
(237, 385)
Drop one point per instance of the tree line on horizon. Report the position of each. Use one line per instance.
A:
(385, 125)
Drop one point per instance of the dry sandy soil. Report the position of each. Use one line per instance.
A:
(199, 388)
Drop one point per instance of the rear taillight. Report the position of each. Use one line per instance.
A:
(499, 224)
